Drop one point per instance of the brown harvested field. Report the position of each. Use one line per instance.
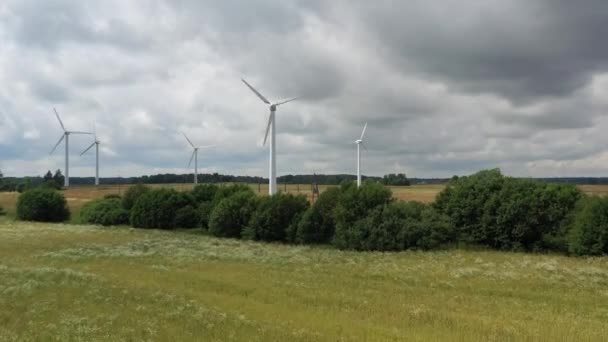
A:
(77, 196)
(598, 190)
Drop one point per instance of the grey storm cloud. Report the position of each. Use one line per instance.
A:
(447, 87)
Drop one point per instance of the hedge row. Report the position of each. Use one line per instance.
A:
(507, 213)
(486, 209)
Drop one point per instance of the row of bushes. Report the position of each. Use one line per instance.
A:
(486, 209)
(507, 213)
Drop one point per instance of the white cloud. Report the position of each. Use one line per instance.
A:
(445, 89)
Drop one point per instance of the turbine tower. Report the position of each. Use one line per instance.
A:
(96, 144)
(272, 178)
(66, 136)
(195, 157)
(359, 143)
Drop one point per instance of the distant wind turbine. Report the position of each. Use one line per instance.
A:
(66, 136)
(272, 178)
(96, 144)
(195, 157)
(359, 143)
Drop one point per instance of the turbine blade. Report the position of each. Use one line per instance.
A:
(268, 127)
(283, 102)
(191, 144)
(58, 118)
(79, 132)
(255, 91)
(88, 148)
(206, 146)
(363, 133)
(57, 144)
(364, 147)
(191, 158)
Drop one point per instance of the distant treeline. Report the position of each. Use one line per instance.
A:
(20, 183)
(12, 183)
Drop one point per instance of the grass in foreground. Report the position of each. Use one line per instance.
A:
(68, 282)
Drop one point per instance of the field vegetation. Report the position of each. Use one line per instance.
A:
(398, 271)
(71, 282)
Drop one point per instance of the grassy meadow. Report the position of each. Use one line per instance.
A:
(80, 283)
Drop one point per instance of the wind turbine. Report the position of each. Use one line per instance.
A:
(195, 157)
(272, 178)
(66, 136)
(96, 144)
(359, 143)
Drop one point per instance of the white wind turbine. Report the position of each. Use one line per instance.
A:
(66, 136)
(272, 178)
(96, 144)
(195, 157)
(359, 143)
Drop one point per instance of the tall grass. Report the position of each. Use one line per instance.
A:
(69, 282)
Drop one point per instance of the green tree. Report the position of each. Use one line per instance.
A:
(356, 203)
(48, 176)
(231, 215)
(395, 179)
(40, 204)
(589, 232)
(276, 218)
(59, 178)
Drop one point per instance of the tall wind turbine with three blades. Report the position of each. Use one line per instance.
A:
(195, 157)
(66, 135)
(96, 144)
(359, 143)
(272, 178)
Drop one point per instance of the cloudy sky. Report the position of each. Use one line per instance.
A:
(448, 87)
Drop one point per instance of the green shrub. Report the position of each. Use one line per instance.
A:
(109, 196)
(589, 232)
(204, 211)
(275, 217)
(21, 188)
(45, 205)
(157, 208)
(508, 213)
(204, 192)
(436, 230)
(205, 197)
(227, 191)
(317, 224)
(398, 226)
(105, 211)
(525, 214)
(231, 215)
(355, 203)
(2, 212)
(132, 194)
(464, 199)
(186, 217)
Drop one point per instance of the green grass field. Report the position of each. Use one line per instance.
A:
(83, 283)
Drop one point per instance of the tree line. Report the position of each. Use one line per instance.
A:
(485, 209)
(56, 180)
